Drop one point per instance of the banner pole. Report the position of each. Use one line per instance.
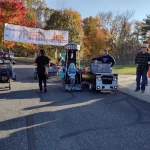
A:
(56, 55)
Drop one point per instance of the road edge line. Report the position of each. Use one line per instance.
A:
(130, 92)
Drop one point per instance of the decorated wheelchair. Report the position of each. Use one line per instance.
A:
(70, 74)
(6, 73)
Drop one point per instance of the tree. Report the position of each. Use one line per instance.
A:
(13, 12)
(94, 37)
(120, 37)
(66, 20)
(137, 29)
(38, 9)
(145, 29)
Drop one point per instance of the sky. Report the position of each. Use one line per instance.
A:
(92, 7)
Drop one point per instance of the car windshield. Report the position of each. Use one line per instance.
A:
(100, 68)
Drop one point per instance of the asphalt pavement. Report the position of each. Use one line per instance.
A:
(59, 120)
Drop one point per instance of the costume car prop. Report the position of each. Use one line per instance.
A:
(99, 76)
(52, 71)
(71, 75)
(6, 73)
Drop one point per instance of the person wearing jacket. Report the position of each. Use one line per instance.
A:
(106, 58)
(141, 62)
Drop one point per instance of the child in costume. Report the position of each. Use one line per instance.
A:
(72, 73)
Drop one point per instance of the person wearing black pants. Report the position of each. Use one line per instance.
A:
(42, 79)
(42, 62)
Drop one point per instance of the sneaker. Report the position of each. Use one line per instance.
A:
(136, 90)
(39, 91)
(146, 84)
(45, 90)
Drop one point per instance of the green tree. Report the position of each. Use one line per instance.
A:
(67, 19)
(144, 29)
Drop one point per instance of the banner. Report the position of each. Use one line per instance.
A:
(24, 34)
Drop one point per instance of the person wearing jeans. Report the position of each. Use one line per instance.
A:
(141, 61)
(146, 80)
(140, 74)
(42, 62)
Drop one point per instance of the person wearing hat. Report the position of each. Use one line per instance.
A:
(42, 62)
(106, 58)
(141, 61)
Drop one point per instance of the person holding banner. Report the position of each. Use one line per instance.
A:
(42, 63)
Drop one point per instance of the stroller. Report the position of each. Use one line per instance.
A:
(6, 73)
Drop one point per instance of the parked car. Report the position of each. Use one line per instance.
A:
(8, 55)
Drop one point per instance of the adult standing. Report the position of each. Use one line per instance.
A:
(141, 62)
(42, 62)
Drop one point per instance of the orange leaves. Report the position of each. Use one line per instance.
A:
(90, 25)
(14, 12)
(9, 44)
(26, 47)
(95, 38)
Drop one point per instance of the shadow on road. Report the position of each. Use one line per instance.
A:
(87, 117)
(75, 119)
(21, 95)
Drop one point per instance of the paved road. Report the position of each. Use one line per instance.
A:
(70, 121)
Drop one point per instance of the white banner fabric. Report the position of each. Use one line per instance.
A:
(17, 33)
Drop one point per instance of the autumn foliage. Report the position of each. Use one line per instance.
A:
(94, 40)
(13, 12)
(111, 31)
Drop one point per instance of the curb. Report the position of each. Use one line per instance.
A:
(138, 95)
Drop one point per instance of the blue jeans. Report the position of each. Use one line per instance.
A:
(140, 74)
(146, 81)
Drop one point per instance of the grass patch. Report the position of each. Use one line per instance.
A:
(28, 59)
(118, 69)
(25, 59)
(125, 69)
